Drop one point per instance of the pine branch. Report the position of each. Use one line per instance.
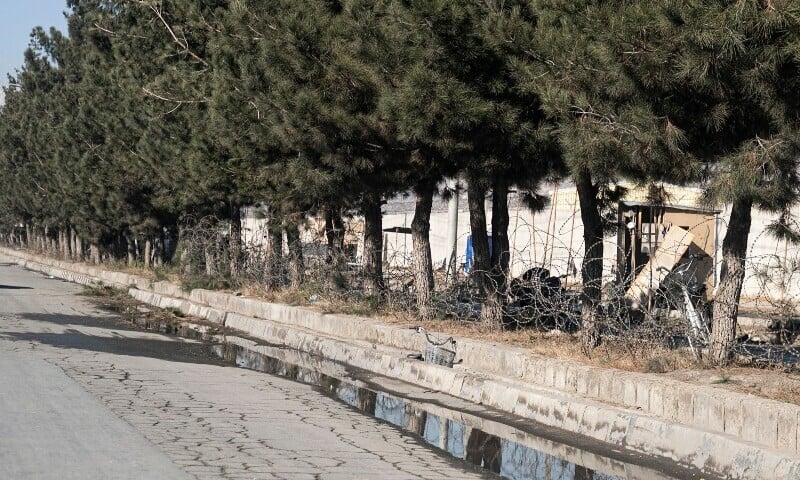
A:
(178, 103)
(116, 34)
(606, 120)
(184, 43)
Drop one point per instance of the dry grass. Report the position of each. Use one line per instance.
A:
(288, 296)
(556, 344)
(138, 271)
(623, 354)
(773, 384)
(628, 354)
(633, 356)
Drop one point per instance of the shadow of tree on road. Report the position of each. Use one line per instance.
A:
(156, 345)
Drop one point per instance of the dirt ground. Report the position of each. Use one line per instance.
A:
(768, 382)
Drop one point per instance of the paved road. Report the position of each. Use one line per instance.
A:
(84, 397)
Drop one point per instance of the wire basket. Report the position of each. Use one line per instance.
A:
(435, 352)
(439, 355)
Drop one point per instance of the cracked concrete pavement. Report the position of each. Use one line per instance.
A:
(85, 396)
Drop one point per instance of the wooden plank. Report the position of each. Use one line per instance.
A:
(675, 244)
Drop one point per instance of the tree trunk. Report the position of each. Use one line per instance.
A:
(209, 259)
(131, 250)
(67, 242)
(235, 242)
(74, 249)
(275, 258)
(726, 301)
(592, 266)
(422, 260)
(373, 244)
(501, 248)
(148, 253)
(296, 264)
(118, 248)
(158, 250)
(496, 277)
(52, 243)
(39, 236)
(94, 253)
(46, 240)
(59, 244)
(63, 249)
(188, 265)
(79, 248)
(491, 310)
(28, 235)
(334, 234)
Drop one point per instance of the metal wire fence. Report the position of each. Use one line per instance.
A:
(664, 303)
(656, 298)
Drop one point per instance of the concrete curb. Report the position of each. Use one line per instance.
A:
(699, 427)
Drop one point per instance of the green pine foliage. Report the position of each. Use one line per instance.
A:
(146, 115)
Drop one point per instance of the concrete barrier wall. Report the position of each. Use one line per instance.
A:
(554, 392)
(249, 357)
(626, 429)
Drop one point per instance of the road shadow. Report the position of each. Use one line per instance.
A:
(14, 287)
(158, 346)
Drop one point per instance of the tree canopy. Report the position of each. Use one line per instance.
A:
(146, 115)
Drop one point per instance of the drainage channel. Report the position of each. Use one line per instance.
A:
(500, 443)
(504, 444)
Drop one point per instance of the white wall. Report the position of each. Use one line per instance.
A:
(553, 238)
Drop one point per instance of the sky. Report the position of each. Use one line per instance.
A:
(17, 19)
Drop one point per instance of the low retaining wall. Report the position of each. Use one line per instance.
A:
(727, 433)
(588, 458)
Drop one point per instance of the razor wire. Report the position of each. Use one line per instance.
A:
(543, 291)
(640, 308)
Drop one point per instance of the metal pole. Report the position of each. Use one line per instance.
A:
(452, 227)
(514, 233)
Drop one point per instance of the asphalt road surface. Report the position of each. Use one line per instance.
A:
(82, 396)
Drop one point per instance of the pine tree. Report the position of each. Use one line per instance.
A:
(427, 109)
(25, 119)
(581, 58)
(482, 123)
(737, 66)
(164, 61)
(310, 80)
